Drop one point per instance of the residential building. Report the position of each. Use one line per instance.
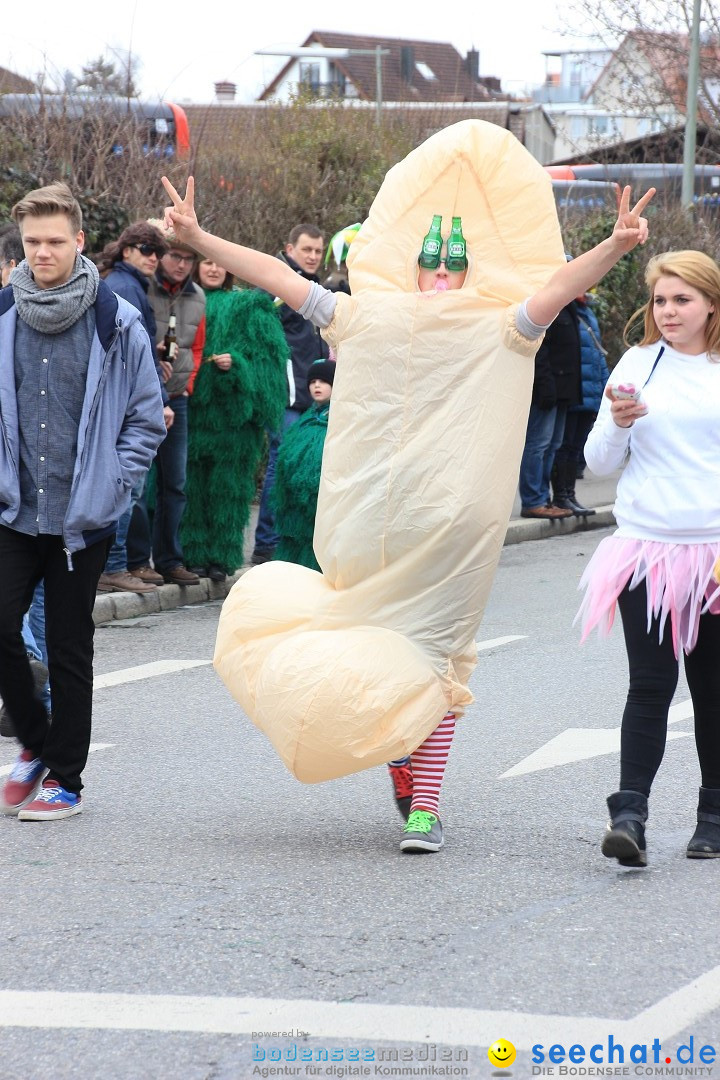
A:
(409, 71)
(10, 83)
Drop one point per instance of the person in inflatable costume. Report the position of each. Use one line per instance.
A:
(369, 661)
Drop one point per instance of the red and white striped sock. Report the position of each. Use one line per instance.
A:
(428, 765)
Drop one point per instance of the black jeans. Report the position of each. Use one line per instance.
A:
(170, 500)
(653, 678)
(69, 599)
(577, 428)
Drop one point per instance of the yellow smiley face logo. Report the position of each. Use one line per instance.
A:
(502, 1054)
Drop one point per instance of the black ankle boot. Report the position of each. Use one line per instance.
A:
(705, 843)
(564, 489)
(625, 836)
(577, 508)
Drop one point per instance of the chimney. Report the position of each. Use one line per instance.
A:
(407, 63)
(225, 91)
(472, 63)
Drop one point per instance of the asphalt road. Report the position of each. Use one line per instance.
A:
(205, 900)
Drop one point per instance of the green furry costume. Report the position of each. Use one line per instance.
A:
(227, 417)
(297, 479)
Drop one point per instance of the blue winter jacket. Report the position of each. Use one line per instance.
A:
(128, 282)
(593, 369)
(120, 429)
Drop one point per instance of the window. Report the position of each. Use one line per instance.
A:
(310, 76)
(425, 71)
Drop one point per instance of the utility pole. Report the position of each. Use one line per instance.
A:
(688, 178)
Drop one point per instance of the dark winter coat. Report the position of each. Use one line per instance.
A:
(557, 362)
(305, 344)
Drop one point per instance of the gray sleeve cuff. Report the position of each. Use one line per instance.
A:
(319, 307)
(526, 326)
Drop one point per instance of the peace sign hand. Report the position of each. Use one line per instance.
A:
(631, 228)
(181, 216)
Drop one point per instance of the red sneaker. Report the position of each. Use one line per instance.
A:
(402, 780)
(52, 801)
(22, 783)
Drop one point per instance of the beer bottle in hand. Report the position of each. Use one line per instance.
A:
(170, 340)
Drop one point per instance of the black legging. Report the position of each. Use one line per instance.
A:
(653, 678)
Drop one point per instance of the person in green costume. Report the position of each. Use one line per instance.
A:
(297, 473)
(239, 391)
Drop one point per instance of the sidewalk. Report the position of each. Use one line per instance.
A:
(595, 492)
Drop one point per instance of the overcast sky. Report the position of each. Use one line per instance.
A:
(184, 47)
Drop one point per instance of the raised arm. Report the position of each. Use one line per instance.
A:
(259, 269)
(576, 277)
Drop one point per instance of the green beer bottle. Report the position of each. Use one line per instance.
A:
(456, 253)
(429, 257)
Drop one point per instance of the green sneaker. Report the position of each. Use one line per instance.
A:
(423, 832)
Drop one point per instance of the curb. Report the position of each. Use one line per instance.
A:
(109, 607)
(521, 529)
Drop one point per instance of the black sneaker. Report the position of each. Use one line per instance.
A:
(261, 555)
(216, 573)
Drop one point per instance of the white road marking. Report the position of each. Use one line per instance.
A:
(169, 667)
(579, 744)
(145, 671)
(492, 643)
(355, 1022)
(5, 769)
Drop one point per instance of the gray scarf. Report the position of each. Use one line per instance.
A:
(50, 311)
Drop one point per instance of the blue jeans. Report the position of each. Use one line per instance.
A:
(33, 631)
(36, 619)
(170, 499)
(118, 558)
(29, 640)
(265, 536)
(545, 431)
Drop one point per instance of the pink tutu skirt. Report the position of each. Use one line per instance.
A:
(678, 579)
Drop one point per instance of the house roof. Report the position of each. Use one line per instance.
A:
(438, 71)
(10, 83)
(666, 54)
(663, 146)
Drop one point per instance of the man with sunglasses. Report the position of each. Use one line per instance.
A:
(127, 265)
(171, 292)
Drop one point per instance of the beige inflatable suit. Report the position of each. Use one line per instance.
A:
(357, 666)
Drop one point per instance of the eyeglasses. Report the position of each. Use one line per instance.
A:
(178, 258)
(147, 249)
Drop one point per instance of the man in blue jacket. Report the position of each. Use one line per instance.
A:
(81, 418)
(126, 266)
(303, 254)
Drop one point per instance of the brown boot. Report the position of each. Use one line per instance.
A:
(146, 573)
(124, 581)
(549, 512)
